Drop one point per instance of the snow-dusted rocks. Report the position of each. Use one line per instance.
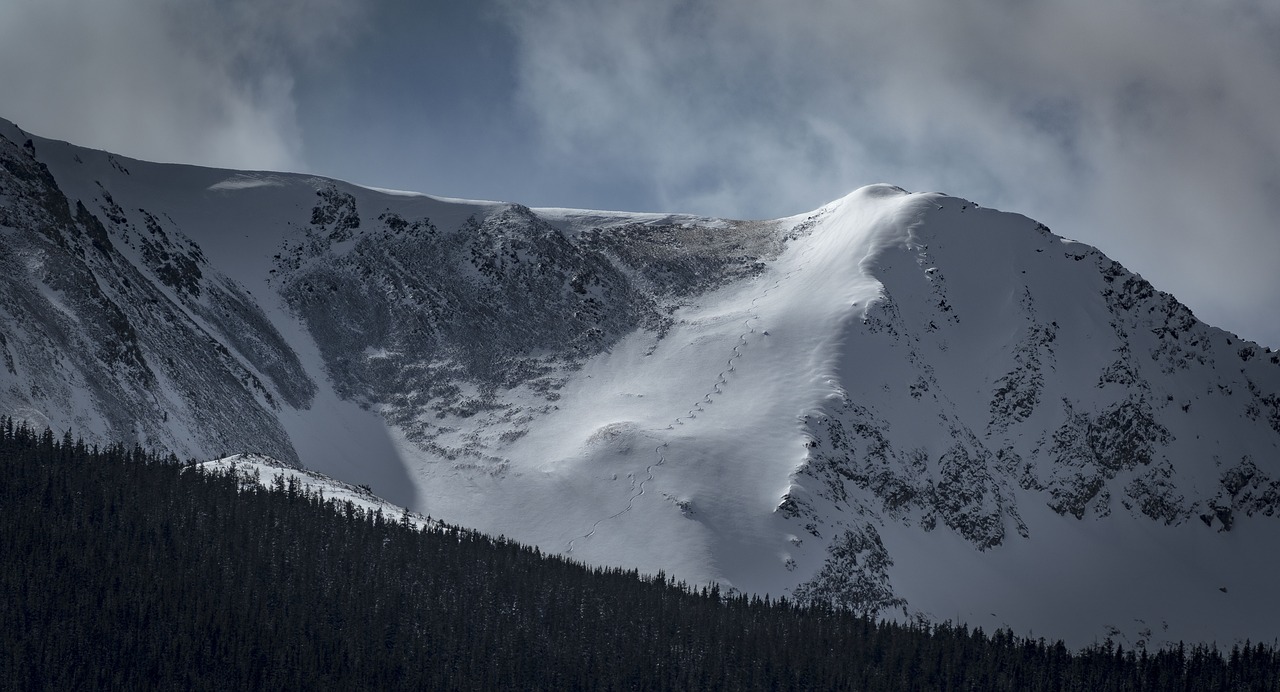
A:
(266, 472)
(114, 323)
(901, 403)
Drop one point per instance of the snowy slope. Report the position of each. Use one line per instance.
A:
(900, 402)
(273, 473)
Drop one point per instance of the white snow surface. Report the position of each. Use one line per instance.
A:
(709, 421)
(267, 472)
(674, 452)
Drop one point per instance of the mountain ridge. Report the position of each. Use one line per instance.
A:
(824, 405)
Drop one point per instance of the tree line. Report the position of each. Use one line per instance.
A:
(121, 568)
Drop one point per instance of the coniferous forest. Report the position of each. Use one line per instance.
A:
(121, 569)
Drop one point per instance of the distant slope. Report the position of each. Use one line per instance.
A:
(900, 402)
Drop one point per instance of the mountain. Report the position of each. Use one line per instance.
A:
(902, 403)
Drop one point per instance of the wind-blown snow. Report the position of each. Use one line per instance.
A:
(706, 424)
(245, 181)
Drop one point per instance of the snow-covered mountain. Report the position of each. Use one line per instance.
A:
(901, 402)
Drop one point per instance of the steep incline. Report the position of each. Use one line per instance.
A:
(123, 333)
(1061, 441)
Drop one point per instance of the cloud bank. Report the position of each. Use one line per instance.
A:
(198, 81)
(1144, 127)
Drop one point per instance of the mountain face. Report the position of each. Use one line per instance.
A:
(114, 321)
(901, 403)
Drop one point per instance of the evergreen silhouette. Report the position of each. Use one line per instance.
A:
(123, 569)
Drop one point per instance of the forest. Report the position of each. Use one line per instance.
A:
(125, 569)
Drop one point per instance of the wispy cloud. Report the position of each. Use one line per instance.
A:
(202, 81)
(1145, 127)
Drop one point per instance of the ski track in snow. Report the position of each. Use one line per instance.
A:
(722, 379)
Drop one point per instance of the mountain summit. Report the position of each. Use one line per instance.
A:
(901, 403)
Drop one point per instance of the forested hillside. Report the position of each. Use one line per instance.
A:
(123, 570)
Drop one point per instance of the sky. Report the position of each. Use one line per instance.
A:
(1144, 127)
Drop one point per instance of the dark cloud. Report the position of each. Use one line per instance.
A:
(199, 81)
(1143, 127)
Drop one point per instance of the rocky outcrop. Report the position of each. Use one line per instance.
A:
(853, 464)
(1089, 450)
(1244, 489)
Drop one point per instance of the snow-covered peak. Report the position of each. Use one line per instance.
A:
(904, 403)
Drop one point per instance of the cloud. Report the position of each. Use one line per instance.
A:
(200, 81)
(1145, 127)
